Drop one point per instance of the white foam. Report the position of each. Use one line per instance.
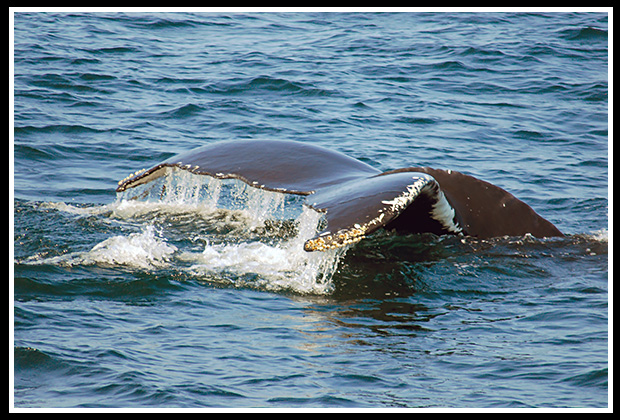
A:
(78, 210)
(601, 235)
(283, 266)
(143, 250)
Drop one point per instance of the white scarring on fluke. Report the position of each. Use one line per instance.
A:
(413, 190)
(442, 210)
(445, 214)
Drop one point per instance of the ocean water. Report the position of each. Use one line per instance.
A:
(202, 298)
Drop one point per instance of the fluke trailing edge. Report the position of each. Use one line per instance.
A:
(358, 199)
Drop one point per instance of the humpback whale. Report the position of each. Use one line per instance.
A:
(356, 198)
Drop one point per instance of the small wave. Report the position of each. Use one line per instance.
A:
(267, 84)
(31, 153)
(32, 358)
(163, 22)
(179, 81)
(416, 120)
(451, 65)
(483, 52)
(187, 110)
(598, 378)
(84, 61)
(530, 135)
(588, 33)
(65, 83)
(96, 77)
(56, 128)
(113, 50)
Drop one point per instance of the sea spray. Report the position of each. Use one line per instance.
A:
(143, 250)
(280, 266)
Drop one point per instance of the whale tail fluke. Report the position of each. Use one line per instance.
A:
(357, 199)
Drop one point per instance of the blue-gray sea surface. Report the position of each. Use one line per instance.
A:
(195, 299)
